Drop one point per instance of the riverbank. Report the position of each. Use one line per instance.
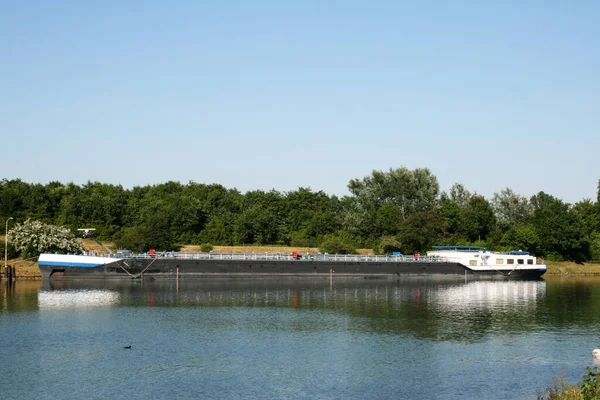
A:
(571, 268)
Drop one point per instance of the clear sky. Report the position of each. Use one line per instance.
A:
(281, 94)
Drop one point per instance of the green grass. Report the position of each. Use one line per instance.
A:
(571, 268)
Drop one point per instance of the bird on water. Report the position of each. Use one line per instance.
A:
(596, 353)
(127, 347)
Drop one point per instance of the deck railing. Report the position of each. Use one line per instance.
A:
(287, 257)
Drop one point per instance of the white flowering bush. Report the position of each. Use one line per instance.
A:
(31, 238)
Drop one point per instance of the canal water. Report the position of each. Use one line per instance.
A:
(295, 338)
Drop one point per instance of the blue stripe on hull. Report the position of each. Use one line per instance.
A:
(68, 264)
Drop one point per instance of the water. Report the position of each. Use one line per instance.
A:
(295, 339)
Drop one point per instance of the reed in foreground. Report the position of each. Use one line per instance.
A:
(587, 389)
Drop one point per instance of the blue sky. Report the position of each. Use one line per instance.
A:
(277, 94)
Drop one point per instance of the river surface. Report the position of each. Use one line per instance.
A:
(295, 338)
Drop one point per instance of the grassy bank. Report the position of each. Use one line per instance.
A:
(571, 268)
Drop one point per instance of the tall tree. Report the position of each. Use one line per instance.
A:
(511, 209)
(521, 237)
(469, 216)
(408, 191)
(421, 231)
(478, 218)
(460, 195)
(598, 207)
(557, 227)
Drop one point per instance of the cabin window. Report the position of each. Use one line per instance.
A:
(499, 260)
(521, 261)
(530, 261)
(472, 262)
(510, 261)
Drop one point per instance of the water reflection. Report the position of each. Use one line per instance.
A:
(68, 299)
(425, 308)
(312, 293)
(435, 309)
(352, 294)
(491, 295)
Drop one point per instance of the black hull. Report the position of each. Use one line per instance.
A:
(169, 268)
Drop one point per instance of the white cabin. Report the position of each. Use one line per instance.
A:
(477, 258)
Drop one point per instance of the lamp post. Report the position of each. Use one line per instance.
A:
(6, 243)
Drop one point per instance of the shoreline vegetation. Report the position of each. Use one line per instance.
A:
(389, 210)
(28, 269)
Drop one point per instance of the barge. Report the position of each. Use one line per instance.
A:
(456, 261)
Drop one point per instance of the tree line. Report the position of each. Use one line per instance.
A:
(396, 210)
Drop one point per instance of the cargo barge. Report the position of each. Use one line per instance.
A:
(457, 261)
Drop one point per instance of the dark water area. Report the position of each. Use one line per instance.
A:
(295, 338)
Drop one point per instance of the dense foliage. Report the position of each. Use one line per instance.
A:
(395, 210)
(31, 238)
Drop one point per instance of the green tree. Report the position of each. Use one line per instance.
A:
(256, 225)
(511, 209)
(103, 207)
(478, 218)
(410, 191)
(598, 206)
(71, 207)
(335, 244)
(460, 195)
(153, 233)
(585, 216)
(469, 216)
(309, 214)
(421, 231)
(522, 237)
(387, 220)
(557, 227)
(453, 215)
(388, 245)
(218, 230)
(595, 246)
(22, 201)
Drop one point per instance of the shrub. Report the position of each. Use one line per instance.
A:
(300, 239)
(588, 389)
(560, 390)
(387, 245)
(31, 238)
(336, 245)
(590, 386)
(206, 247)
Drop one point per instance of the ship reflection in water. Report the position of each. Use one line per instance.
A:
(439, 294)
(491, 294)
(69, 299)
